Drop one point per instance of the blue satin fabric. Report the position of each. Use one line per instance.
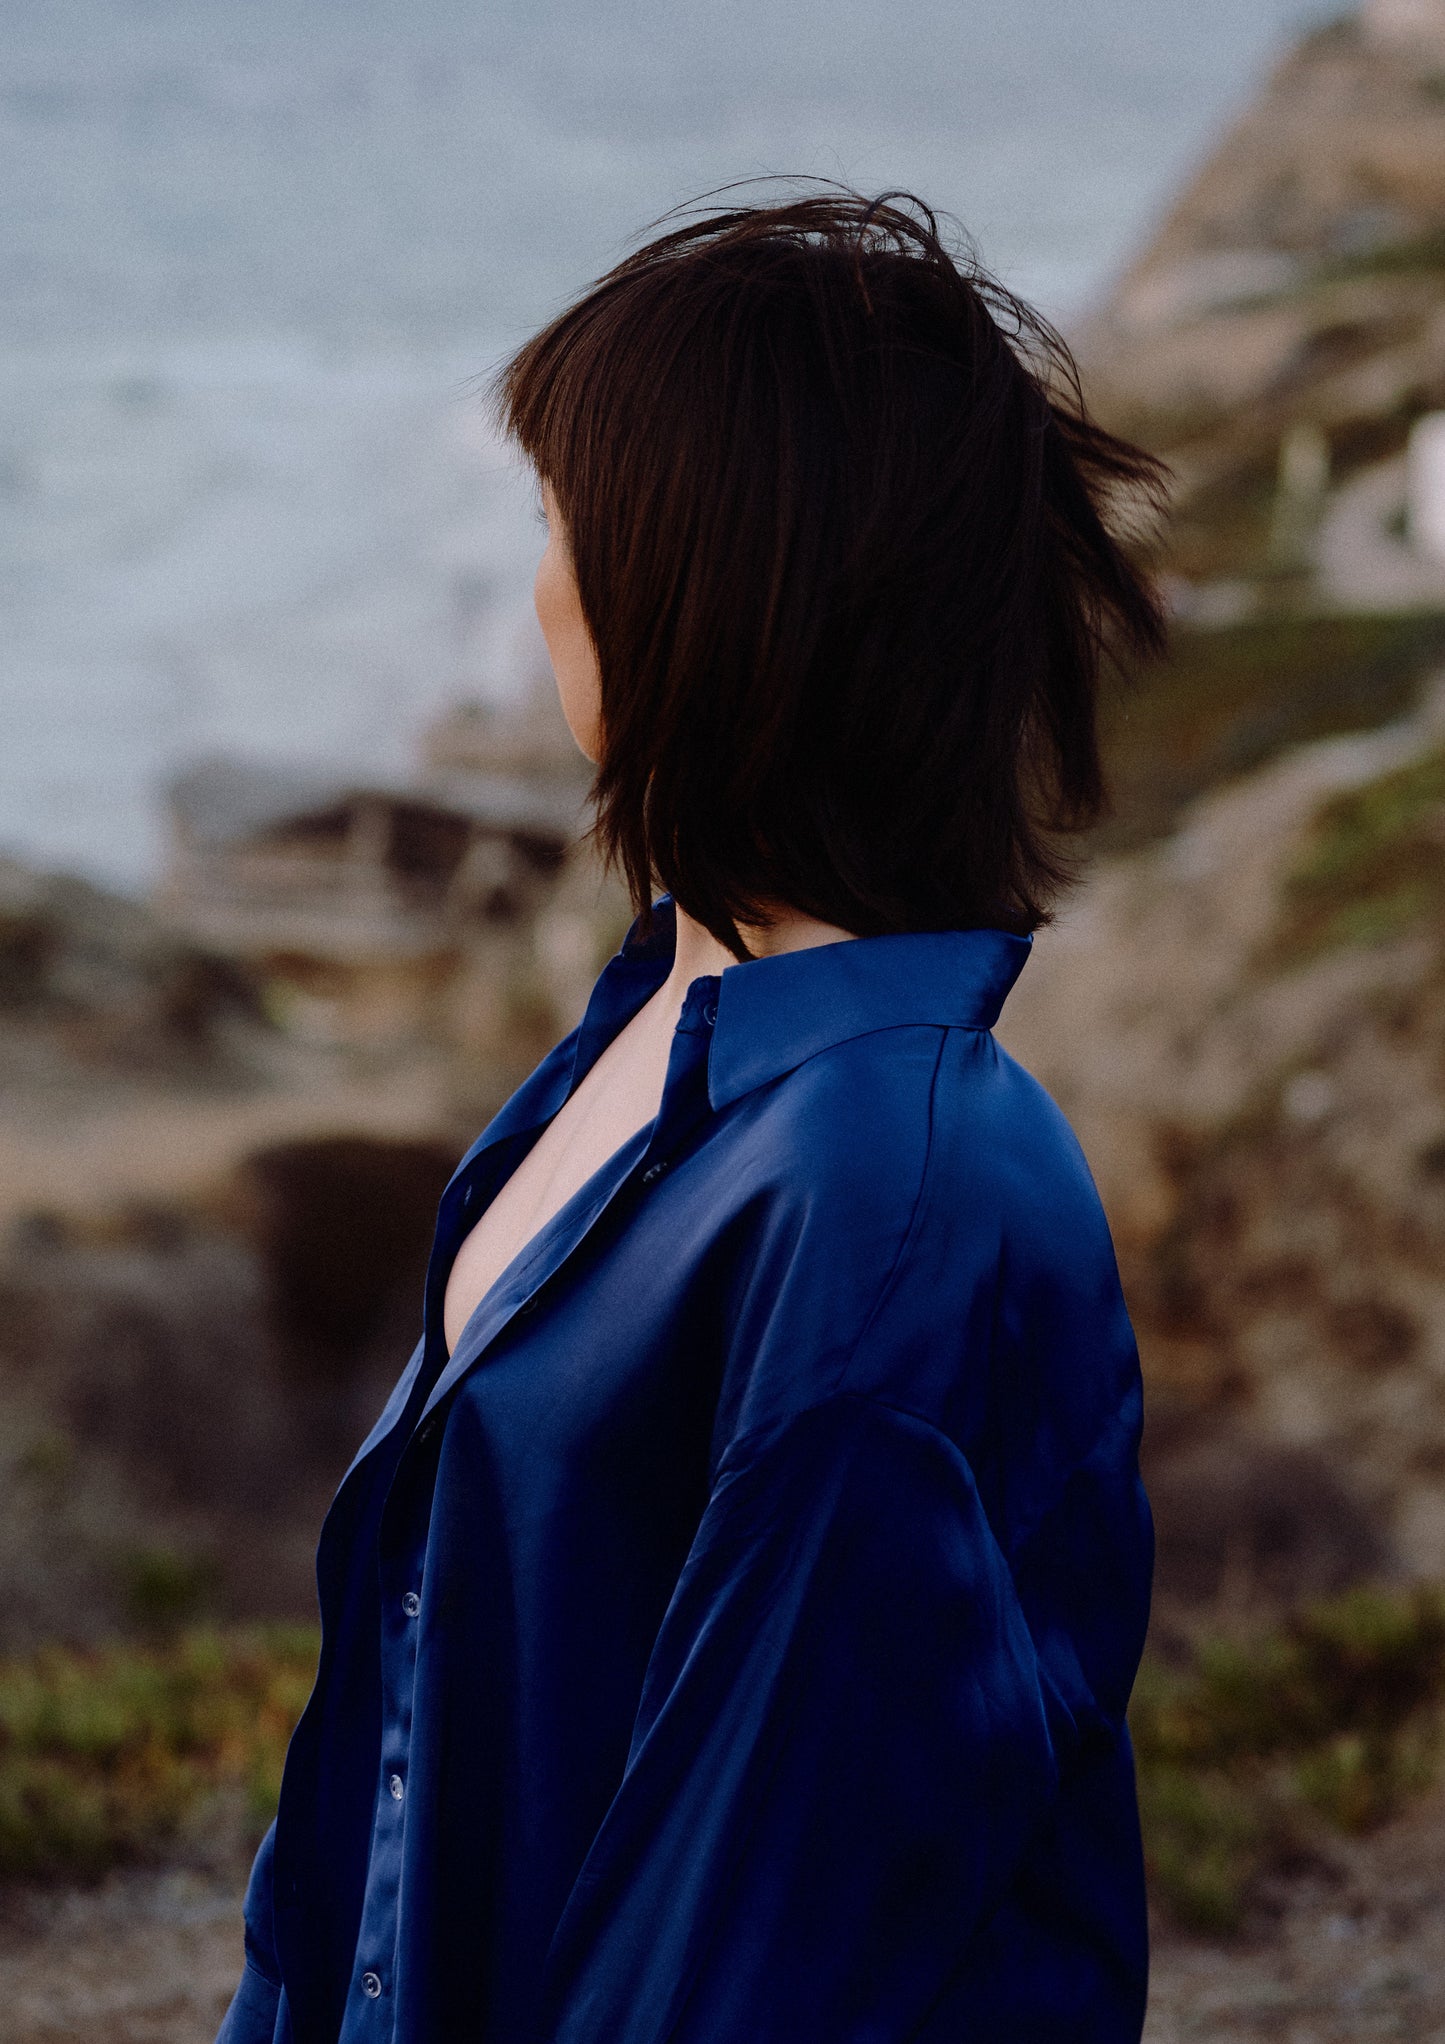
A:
(730, 1643)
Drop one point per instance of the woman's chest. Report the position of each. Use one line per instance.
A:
(590, 1417)
(616, 1099)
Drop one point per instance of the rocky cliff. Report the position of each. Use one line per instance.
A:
(1298, 279)
(1246, 1023)
(1243, 1007)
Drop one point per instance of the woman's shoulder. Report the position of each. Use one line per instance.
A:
(850, 1121)
(879, 1118)
(915, 1197)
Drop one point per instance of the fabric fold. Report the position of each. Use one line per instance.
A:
(816, 1817)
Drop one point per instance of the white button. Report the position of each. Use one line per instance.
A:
(371, 1984)
(411, 1603)
(397, 1787)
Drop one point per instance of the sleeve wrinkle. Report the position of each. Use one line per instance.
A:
(747, 1449)
(1119, 1421)
(789, 1705)
(1073, 1702)
(1081, 1698)
(257, 1912)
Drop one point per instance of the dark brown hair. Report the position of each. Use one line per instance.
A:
(851, 552)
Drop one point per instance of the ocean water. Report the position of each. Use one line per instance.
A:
(256, 254)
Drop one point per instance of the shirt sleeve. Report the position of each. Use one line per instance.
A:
(251, 2017)
(842, 1749)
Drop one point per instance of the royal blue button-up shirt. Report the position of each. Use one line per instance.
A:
(730, 1642)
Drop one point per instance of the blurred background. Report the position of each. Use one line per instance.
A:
(292, 893)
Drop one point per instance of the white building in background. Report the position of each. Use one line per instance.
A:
(1425, 487)
(1414, 24)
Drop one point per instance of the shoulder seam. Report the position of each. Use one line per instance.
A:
(744, 1448)
(891, 1275)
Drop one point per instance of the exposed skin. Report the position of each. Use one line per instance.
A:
(623, 1090)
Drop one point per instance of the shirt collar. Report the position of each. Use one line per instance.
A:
(774, 1013)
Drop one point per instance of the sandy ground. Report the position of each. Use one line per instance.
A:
(1358, 1954)
(142, 1959)
(109, 1145)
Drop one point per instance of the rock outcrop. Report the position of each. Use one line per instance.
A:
(1298, 279)
(1246, 1024)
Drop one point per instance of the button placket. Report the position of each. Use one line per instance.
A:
(684, 1096)
(402, 1538)
(404, 1556)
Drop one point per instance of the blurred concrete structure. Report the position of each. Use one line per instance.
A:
(457, 910)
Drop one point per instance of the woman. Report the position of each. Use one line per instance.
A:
(728, 1624)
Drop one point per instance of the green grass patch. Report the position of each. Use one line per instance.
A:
(142, 1752)
(1228, 700)
(1409, 255)
(167, 1752)
(1333, 1721)
(165, 1588)
(1373, 865)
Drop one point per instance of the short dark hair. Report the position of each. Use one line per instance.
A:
(852, 552)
